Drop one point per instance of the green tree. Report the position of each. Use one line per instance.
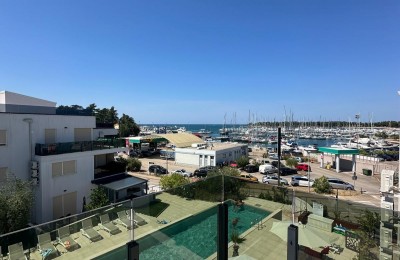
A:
(321, 185)
(242, 161)
(173, 181)
(98, 199)
(291, 162)
(226, 171)
(134, 164)
(369, 222)
(127, 126)
(16, 200)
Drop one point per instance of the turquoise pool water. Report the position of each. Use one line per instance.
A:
(191, 238)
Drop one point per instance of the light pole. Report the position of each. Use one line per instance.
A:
(358, 127)
(308, 152)
(398, 93)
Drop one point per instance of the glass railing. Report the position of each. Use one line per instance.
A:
(73, 147)
(182, 223)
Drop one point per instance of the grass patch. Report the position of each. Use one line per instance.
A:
(154, 209)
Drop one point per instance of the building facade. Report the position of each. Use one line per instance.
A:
(59, 153)
(210, 155)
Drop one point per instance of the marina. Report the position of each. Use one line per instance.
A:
(367, 138)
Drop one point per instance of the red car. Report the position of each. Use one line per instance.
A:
(302, 167)
(233, 164)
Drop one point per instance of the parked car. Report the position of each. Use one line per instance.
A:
(250, 168)
(273, 156)
(298, 159)
(275, 164)
(273, 179)
(300, 181)
(248, 177)
(302, 167)
(233, 164)
(340, 184)
(157, 169)
(288, 171)
(267, 169)
(183, 172)
(202, 171)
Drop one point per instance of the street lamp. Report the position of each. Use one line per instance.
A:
(308, 152)
(358, 128)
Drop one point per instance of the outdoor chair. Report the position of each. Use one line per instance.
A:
(46, 247)
(16, 252)
(123, 220)
(88, 231)
(107, 225)
(64, 238)
(138, 219)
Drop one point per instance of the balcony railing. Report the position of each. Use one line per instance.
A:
(181, 223)
(74, 147)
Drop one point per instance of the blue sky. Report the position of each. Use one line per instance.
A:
(195, 61)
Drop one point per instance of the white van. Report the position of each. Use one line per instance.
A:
(267, 169)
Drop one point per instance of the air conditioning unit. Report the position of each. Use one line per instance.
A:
(385, 237)
(34, 173)
(386, 211)
(34, 164)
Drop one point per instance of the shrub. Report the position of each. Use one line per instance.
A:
(291, 162)
(173, 181)
(134, 165)
(321, 185)
(242, 161)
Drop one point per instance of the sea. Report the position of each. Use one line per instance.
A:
(214, 128)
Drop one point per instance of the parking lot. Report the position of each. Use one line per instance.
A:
(369, 185)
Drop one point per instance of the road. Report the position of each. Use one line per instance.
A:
(369, 185)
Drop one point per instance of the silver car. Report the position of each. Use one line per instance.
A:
(274, 180)
(184, 173)
(340, 184)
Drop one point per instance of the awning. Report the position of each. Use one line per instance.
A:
(119, 182)
(339, 151)
(146, 139)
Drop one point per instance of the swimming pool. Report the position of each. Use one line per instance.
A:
(192, 238)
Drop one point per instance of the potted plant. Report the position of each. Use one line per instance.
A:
(236, 239)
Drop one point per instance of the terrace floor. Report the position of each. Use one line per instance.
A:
(260, 241)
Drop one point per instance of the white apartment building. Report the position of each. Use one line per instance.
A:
(58, 152)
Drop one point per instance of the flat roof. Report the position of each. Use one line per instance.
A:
(119, 181)
(338, 151)
(124, 183)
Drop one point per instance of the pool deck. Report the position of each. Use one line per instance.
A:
(260, 241)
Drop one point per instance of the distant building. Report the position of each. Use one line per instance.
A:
(210, 154)
(62, 154)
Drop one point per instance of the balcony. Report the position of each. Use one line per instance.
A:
(74, 147)
(182, 224)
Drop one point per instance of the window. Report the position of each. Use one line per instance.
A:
(63, 168)
(3, 174)
(3, 137)
(49, 136)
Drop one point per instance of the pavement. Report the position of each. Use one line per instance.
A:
(369, 186)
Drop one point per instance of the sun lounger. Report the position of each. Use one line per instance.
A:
(64, 238)
(88, 231)
(123, 220)
(138, 219)
(16, 252)
(107, 225)
(46, 247)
